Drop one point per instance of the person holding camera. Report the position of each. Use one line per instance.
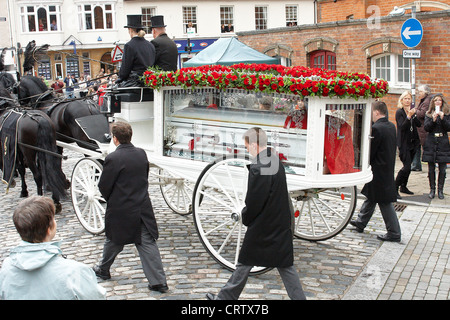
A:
(437, 147)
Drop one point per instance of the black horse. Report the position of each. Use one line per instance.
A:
(33, 92)
(36, 150)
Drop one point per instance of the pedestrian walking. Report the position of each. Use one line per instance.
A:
(138, 54)
(268, 217)
(437, 147)
(37, 268)
(407, 139)
(129, 217)
(425, 96)
(381, 190)
(166, 48)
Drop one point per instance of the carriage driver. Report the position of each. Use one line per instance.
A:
(138, 54)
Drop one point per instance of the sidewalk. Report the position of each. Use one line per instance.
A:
(418, 267)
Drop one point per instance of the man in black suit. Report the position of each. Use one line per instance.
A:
(381, 190)
(268, 217)
(166, 49)
(129, 214)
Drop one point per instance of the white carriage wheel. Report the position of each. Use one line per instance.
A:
(177, 192)
(87, 201)
(323, 213)
(219, 197)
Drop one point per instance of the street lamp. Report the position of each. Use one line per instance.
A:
(397, 12)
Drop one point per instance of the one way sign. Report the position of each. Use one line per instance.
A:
(412, 33)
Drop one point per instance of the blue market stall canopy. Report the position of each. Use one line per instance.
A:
(197, 45)
(229, 51)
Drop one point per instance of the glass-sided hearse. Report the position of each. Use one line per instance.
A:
(191, 123)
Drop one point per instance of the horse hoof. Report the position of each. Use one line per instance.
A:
(58, 208)
(24, 194)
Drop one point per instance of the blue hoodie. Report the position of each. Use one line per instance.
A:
(37, 271)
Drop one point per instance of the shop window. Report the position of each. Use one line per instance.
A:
(44, 69)
(72, 67)
(323, 59)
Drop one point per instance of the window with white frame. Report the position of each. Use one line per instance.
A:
(96, 16)
(291, 15)
(147, 13)
(226, 19)
(189, 18)
(392, 68)
(260, 17)
(40, 18)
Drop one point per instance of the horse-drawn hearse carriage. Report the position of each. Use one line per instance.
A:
(190, 123)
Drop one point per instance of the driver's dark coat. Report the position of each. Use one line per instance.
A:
(267, 215)
(138, 55)
(124, 185)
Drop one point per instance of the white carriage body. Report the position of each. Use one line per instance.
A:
(183, 130)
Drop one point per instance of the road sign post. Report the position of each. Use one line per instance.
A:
(412, 34)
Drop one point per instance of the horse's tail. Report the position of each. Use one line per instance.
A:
(52, 173)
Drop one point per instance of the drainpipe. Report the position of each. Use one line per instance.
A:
(315, 11)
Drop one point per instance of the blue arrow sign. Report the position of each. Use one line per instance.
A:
(411, 33)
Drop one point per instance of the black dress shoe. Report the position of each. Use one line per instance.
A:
(440, 194)
(163, 288)
(405, 190)
(104, 275)
(358, 228)
(386, 237)
(211, 296)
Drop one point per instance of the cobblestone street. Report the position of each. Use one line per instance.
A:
(327, 269)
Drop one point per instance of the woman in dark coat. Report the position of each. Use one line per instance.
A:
(138, 54)
(437, 147)
(407, 139)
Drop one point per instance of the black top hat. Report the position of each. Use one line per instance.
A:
(157, 22)
(134, 21)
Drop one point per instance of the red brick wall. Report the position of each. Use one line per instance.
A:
(352, 37)
(328, 10)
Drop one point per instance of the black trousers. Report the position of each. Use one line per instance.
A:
(148, 253)
(388, 213)
(235, 285)
(403, 174)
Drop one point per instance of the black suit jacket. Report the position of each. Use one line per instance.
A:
(138, 55)
(382, 159)
(166, 53)
(267, 215)
(124, 185)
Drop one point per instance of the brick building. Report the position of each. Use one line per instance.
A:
(361, 36)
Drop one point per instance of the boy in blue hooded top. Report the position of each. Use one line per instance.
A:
(36, 269)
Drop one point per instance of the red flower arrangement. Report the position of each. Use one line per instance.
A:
(266, 78)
